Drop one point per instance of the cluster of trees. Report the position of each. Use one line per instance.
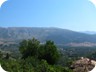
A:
(33, 48)
(35, 57)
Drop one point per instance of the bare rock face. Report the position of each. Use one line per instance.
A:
(83, 65)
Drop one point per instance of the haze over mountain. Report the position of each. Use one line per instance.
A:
(89, 32)
(59, 36)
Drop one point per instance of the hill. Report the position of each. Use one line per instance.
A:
(59, 36)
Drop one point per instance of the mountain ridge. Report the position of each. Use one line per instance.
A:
(58, 35)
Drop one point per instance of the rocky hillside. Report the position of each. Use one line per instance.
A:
(59, 36)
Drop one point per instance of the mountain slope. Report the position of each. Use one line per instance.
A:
(58, 35)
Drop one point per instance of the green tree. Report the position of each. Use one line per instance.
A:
(29, 48)
(49, 52)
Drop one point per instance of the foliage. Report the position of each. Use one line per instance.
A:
(33, 48)
(49, 52)
(92, 56)
(29, 47)
(35, 57)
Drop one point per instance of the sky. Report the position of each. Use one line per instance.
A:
(77, 15)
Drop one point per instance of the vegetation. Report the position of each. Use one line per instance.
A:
(35, 57)
(49, 52)
(29, 48)
(92, 55)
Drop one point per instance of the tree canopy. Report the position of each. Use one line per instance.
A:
(33, 48)
(29, 47)
(49, 52)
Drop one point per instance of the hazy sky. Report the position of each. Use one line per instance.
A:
(78, 15)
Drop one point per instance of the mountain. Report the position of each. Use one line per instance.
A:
(59, 36)
(89, 32)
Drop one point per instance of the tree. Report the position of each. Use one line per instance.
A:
(29, 48)
(33, 48)
(49, 52)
